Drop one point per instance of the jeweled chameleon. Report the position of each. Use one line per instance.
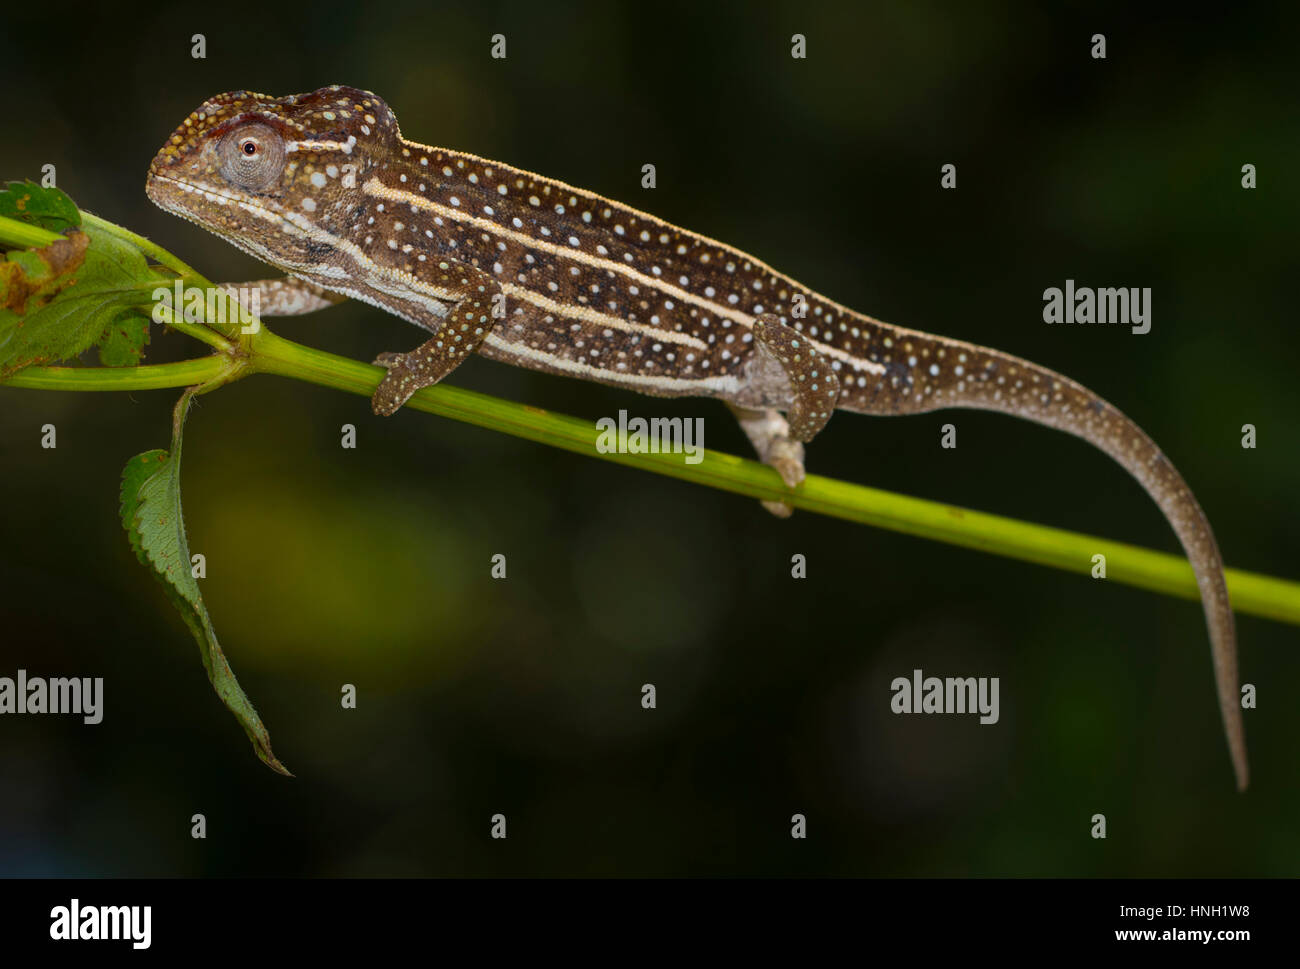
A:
(528, 270)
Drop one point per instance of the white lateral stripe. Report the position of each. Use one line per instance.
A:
(597, 318)
(691, 385)
(375, 187)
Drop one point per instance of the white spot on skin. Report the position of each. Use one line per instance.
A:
(309, 205)
(318, 179)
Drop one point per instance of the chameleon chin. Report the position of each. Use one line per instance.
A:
(524, 269)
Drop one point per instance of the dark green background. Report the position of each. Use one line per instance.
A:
(370, 566)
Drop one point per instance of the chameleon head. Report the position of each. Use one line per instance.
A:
(273, 175)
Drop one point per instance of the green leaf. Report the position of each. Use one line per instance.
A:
(48, 208)
(155, 527)
(123, 343)
(75, 293)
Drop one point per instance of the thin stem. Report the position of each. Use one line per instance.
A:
(1071, 551)
(157, 376)
(197, 330)
(21, 235)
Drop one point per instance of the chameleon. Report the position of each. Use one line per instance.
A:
(527, 270)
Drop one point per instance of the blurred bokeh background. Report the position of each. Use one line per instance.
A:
(370, 566)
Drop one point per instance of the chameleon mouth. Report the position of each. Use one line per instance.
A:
(173, 204)
(153, 190)
(231, 232)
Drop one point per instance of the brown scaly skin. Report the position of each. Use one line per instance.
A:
(531, 271)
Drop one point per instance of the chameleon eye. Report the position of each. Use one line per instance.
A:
(252, 157)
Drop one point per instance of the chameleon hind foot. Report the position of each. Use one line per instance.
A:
(815, 386)
(779, 440)
(769, 433)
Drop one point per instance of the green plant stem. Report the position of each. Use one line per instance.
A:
(198, 331)
(1130, 564)
(151, 377)
(25, 236)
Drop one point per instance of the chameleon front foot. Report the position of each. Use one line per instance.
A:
(408, 372)
(463, 331)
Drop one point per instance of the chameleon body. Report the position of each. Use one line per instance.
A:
(530, 271)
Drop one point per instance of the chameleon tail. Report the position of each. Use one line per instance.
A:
(926, 373)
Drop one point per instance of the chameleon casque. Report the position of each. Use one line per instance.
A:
(530, 271)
